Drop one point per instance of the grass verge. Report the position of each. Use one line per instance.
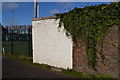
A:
(68, 72)
(84, 75)
(28, 60)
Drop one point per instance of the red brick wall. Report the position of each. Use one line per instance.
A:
(112, 62)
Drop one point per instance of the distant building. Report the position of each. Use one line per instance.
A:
(20, 32)
(4, 33)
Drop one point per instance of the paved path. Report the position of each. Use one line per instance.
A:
(15, 69)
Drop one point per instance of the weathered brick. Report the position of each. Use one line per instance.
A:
(112, 60)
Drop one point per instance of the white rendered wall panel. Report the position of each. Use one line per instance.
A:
(51, 46)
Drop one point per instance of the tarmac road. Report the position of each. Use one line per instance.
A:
(12, 68)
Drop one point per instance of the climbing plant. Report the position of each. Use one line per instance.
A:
(90, 24)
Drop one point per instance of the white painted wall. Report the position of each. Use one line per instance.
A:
(51, 46)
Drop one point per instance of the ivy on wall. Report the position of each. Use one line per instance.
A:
(90, 24)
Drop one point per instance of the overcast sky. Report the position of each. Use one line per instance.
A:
(23, 11)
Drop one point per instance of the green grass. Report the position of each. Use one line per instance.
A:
(20, 48)
(84, 75)
(101, 76)
(68, 72)
(76, 74)
(28, 60)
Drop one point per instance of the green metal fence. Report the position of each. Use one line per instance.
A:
(21, 48)
(18, 43)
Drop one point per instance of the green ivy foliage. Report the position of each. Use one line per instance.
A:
(90, 24)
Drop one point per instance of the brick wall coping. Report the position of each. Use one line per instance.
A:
(43, 18)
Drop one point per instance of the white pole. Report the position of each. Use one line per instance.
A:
(3, 51)
(38, 9)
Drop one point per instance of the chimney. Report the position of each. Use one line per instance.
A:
(35, 8)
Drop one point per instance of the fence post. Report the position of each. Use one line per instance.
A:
(29, 42)
(3, 51)
(12, 42)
